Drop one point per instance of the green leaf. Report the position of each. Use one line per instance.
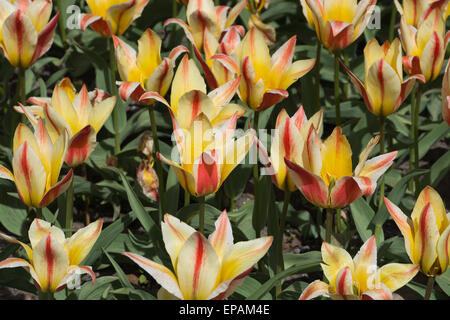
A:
(444, 282)
(250, 286)
(122, 277)
(395, 196)
(95, 291)
(137, 208)
(362, 215)
(306, 262)
(13, 215)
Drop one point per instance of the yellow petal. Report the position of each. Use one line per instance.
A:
(244, 255)
(343, 10)
(336, 157)
(197, 268)
(50, 262)
(175, 233)
(430, 195)
(148, 58)
(396, 275)
(81, 243)
(101, 112)
(335, 259)
(40, 228)
(187, 78)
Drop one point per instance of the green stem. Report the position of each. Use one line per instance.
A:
(113, 69)
(256, 175)
(280, 264)
(201, 213)
(174, 28)
(346, 85)
(46, 295)
(416, 135)
(187, 198)
(382, 151)
(411, 150)
(392, 23)
(378, 229)
(159, 169)
(39, 213)
(69, 209)
(338, 221)
(430, 285)
(62, 23)
(22, 93)
(336, 89)
(317, 74)
(329, 225)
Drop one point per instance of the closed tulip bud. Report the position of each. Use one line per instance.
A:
(384, 90)
(81, 115)
(26, 33)
(426, 233)
(53, 260)
(203, 269)
(111, 17)
(288, 142)
(327, 179)
(36, 164)
(148, 180)
(338, 23)
(145, 70)
(425, 46)
(358, 278)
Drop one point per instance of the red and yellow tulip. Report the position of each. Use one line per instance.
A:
(384, 89)
(36, 163)
(145, 70)
(413, 10)
(81, 115)
(203, 268)
(326, 178)
(288, 141)
(203, 17)
(425, 46)
(446, 95)
(25, 31)
(188, 97)
(53, 260)
(360, 277)
(338, 23)
(265, 79)
(207, 154)
(111, 17)
(426, 233)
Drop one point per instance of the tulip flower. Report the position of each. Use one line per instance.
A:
(339, 23)
(255, 20)
(326, 179)
(426, 233)
(288, 142)
(81, 115)
(413, 10)
(53, 260)
(203, 17)
(207, 154)
(36, 165)
(188, 97)
(265, 79)
(425, 46)
(446, 95)
(307, 13)
(144, 71)
(26, 33)
(358, 278)
(384, 89)
(111, 17)
(202, 268)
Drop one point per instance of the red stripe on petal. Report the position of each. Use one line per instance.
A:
(198, 262)
(49, 259)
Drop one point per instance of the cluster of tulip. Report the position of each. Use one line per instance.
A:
(63, 129)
